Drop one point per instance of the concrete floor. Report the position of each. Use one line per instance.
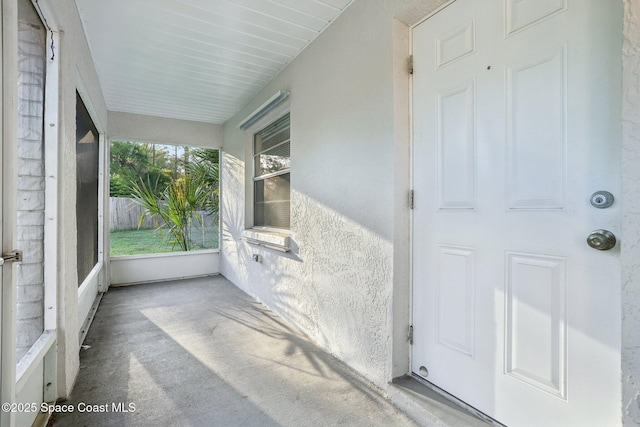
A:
(202, 353)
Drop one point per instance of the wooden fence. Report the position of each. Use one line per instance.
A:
(124, 214)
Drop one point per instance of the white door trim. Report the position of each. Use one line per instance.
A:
(51, 140)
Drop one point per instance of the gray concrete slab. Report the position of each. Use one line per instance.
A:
(202, 353)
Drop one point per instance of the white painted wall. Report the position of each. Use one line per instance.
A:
(160, 130)
(631, 214)
(346, 283)
(135, 269)
(76, 71)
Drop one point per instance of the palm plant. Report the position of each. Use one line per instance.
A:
(205, 168)
(177, 205)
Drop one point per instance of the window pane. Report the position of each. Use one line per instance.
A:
(168, 172)
(272, 202)
(273, 160)
(87, 190)
(272, 135)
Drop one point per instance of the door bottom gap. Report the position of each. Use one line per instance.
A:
(464, 405)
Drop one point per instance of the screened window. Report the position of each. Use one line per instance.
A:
(163, 198)
(272, 177)
(87, 157)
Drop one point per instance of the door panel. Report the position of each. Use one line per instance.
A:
(455, 294)
(536, 167)
(522, 13)
(516, 123)
(536, 319)
(456, 147)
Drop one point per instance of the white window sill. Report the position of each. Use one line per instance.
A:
(280, 241)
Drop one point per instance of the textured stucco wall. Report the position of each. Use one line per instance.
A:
(631, 214)
(337, 283)
(349, 181)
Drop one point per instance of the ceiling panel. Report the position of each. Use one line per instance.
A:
(198, 60)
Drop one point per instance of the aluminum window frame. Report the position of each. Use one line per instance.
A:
(261, 178)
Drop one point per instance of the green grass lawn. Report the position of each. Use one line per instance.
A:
(151, 241)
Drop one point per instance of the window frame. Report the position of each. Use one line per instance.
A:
(256, 178)
(272, 238)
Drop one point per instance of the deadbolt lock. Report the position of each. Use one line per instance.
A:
(601, 199)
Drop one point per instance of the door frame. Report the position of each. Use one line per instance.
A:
(9, 17)
(94, 285)
(39, 366)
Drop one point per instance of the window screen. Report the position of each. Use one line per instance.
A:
(31, 69)
(86, 190)
(272, 178)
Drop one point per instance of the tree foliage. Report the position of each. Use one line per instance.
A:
(176, 189)
(205, 167)
(178, 206)
(132, 162)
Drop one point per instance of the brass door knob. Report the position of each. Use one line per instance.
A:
(602, 240)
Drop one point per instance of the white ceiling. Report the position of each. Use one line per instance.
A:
(198, 60)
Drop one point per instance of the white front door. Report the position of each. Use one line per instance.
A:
(516, 124)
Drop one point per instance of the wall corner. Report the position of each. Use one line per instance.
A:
(630, 253)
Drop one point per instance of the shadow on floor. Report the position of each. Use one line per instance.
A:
(202, 353)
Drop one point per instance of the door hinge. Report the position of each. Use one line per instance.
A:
(410, 64)
(410, 335)
(13, 256)
(411, 199)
